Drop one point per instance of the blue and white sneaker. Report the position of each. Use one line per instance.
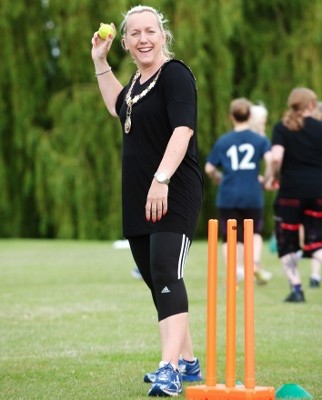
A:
(190, 371)
(167, 382)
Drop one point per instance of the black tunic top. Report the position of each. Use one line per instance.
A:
(171, 103)
(301, 172)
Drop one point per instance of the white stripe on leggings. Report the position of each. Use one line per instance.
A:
(183, 255)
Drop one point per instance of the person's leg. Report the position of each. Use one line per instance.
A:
(173, 333)
(188, 364)
(316, 264)
(262, 276)
(140, 249)
(187, 348)
(168, 256)
(288, 220)
(290, 266)
(168, 253)
(239, 259)
(258, 249)
(312, 238)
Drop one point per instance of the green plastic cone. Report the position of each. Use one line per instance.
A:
(292, 391)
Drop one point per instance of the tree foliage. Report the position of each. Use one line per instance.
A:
(60, 151)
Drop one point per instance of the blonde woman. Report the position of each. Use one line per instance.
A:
(162, 185)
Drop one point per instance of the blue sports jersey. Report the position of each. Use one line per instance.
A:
(238, 155)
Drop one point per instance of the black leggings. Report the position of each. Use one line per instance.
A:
(161, 259)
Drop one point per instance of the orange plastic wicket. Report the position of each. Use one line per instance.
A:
(249, 371)
(229, 391)
(231, 303)
(211, 302)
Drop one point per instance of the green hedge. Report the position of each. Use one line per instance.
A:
(60, 150)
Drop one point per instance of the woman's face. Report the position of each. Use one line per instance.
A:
(144, 38)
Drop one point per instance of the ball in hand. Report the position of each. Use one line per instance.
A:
(106, 31)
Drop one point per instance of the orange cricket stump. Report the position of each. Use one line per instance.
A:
(211, 302)
(249, 377)
(231, 284)
(230, 391)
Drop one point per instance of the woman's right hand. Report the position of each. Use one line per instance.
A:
(156, 205)
(100, 47)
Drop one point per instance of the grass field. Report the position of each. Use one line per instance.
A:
(74, 324)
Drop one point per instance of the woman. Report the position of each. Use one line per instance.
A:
(234, 164)
(161, 178)
(296, 154)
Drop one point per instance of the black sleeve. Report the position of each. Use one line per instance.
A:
(119, 100)
(179, 88)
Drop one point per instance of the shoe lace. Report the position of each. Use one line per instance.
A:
(163, 373)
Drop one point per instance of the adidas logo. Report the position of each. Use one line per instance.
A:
(165, 290)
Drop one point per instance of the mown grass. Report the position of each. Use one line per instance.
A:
(74, 324)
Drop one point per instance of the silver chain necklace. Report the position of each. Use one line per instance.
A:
(131, 101)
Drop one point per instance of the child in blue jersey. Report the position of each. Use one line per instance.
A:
(234, 163)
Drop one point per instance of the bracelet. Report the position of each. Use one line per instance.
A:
(104, 72)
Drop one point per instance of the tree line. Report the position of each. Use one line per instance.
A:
(60, 151)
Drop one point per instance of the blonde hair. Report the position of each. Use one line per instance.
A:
(161, 22)
(298, 100)
(318, 111)
(240, 109)
(258, 118)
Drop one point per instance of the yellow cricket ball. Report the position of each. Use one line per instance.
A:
(106, 31)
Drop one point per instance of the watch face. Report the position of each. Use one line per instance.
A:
(162, 178)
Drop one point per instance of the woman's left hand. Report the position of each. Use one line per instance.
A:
(157, 201)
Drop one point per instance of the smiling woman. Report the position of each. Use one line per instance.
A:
(162, 183)
(131, 30)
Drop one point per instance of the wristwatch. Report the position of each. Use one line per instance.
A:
(161, 177)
